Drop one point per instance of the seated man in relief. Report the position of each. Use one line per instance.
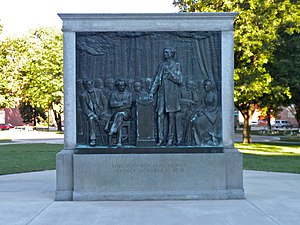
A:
(120, 103)
(93, 105)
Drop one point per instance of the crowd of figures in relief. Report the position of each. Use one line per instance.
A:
(184, 112)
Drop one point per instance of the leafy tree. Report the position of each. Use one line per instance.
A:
(30, 114)
(31, 71)
(285, 67)
(1, 27)
(12, 60)
(256, 37)
(270, 105)
(42, 81)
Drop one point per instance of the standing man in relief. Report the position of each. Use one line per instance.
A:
(166, 84)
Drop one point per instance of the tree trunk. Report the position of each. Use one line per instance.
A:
(297, 114)
(269, 119)
(57, 118)
(34, 118)
(247, 114)
(295, 110)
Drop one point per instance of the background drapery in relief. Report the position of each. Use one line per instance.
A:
(136, 55)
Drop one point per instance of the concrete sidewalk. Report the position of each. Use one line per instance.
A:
(271, 199)
(25, 137)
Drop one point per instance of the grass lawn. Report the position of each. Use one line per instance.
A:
(20, 158)
(275, 157)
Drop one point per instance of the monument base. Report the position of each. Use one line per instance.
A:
(157, 176)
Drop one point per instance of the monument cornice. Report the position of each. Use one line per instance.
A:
(92, 22)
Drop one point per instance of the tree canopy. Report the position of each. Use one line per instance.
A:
(256, 39)
(1, 27)
(31, 70)
(285, 67)
(41, 82)
(12, 59)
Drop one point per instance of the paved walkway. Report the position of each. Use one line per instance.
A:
(19, 137)
(28, 199)
(23, 137)
(271, 199)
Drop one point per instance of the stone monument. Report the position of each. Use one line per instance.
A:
(148, 108)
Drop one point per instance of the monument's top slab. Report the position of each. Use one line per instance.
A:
(82, 22)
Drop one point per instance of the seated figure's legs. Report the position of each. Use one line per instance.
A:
(117, 123)
(92, 131)
(201, 127)
(116, 127)
(119, 137)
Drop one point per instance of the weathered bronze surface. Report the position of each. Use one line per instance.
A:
(148, 89)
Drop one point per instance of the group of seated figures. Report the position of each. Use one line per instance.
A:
(105, 108)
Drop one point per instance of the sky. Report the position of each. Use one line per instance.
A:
(18, 16)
